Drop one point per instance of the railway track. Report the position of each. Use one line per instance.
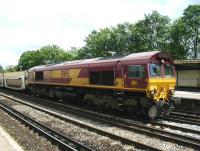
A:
(186, 114)
(182, 129)
(183, 118)
(134, 126)
(101, 132)
(185, 111)
(64, 142)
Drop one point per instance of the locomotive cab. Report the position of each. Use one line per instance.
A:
(161, 86)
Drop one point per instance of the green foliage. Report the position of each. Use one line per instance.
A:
(109, 41)
(154, 32)
(77, 53)
(52, 54)
(178, 45)
(98, 43)
(123, 39)
(29, 59)
(185, 34)
(10, 68)
(149, 34)
(191, 18)
(1, 68)
(45, 55)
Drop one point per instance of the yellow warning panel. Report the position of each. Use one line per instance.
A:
(134, 83)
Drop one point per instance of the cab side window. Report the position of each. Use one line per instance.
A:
(136, 71)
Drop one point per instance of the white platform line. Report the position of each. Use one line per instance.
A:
(10, 140)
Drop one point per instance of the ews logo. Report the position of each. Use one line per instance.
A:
(65, 74)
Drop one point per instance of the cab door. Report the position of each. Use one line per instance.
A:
(119, 79)
(135, 77)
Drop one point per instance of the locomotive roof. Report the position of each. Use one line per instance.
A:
(145, 56)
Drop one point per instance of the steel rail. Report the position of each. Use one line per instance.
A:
(64, 142)
(186, 115)
(187, 112)
(181, 120)
(158, 133)
(99, 131)
(186, 130)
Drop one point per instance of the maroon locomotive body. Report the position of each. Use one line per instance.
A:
(141, 81)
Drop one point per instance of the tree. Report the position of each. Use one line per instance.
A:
(53, 54)
(123, 38)
(1, 68)
(191, 18)
(185, 37)
(152, 33)
(28, 60)
(45, 55)
(149, 34)
(77, 53)
(109, 41)
(98, 43)
(10, 68)
(178, 44)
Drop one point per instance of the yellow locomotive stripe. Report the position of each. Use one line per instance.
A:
(91, 86)
(162, 80)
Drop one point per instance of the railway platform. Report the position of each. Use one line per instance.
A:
(188, 101)
(190, 95)
(7, 143)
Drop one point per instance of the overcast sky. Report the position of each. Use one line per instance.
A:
(31, 24)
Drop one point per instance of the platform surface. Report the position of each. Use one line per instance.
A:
(7, 143)
(187, 95)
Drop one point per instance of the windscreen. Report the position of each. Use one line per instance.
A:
(169, 70)
(155, 70)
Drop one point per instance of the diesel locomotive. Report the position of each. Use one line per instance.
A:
(142, 83)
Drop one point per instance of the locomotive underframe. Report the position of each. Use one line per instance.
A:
(131, 102)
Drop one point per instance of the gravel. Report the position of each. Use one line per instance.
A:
(182, 133)
(93, 139)
(26, 138)
(84, 136)
(77, 133)
(178, 131)
(195, 127)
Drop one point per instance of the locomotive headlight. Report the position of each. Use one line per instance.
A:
(172, 91)
(153, 92)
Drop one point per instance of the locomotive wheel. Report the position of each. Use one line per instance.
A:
(152, 113)
(167, 109)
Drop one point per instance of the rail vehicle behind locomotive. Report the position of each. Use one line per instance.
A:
(13, 80)
(141, 82)
(1, 80)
